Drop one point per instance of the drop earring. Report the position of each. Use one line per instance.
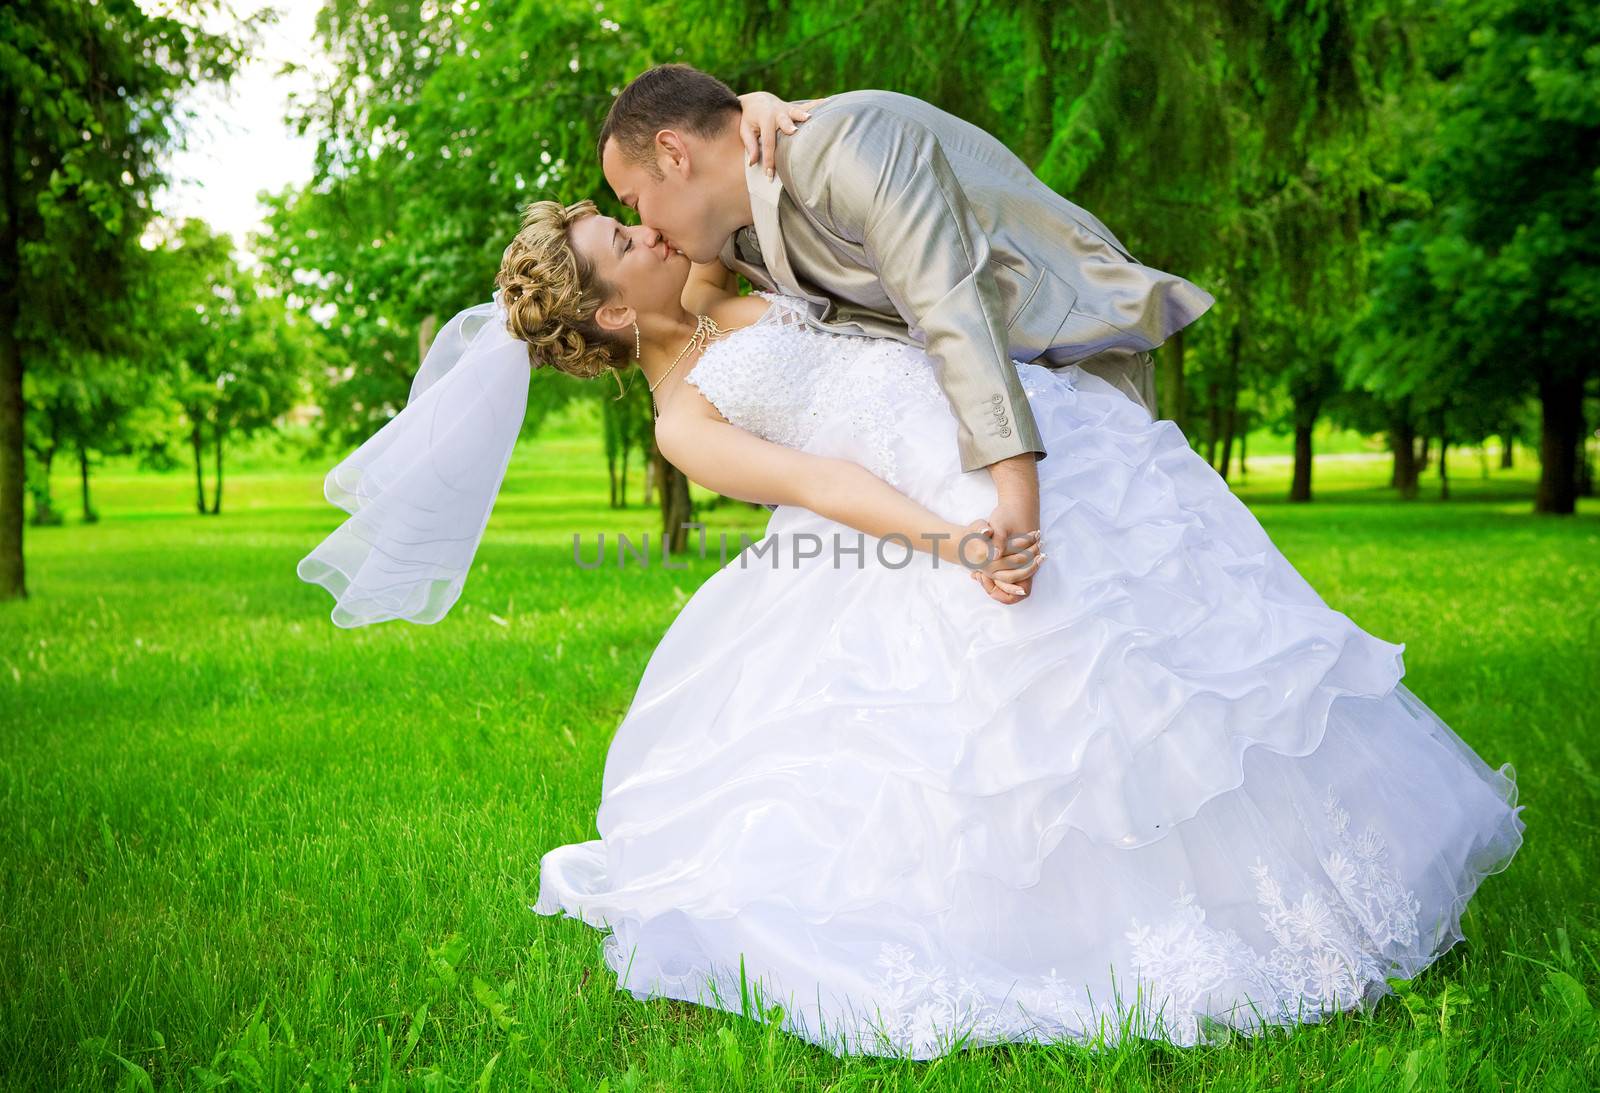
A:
(638, 347)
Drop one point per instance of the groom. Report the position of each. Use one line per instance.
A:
(895, 219)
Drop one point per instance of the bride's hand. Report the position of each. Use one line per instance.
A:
(998, 566)
(764, 115)
(1010, 577)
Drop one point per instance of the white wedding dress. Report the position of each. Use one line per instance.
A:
(1170, 791)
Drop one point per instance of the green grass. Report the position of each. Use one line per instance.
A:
(241, 844)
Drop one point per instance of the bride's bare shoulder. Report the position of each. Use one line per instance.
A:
(736, 311)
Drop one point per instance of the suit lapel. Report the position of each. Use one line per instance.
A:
(764, 195)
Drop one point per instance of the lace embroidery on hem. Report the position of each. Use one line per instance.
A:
(1329, 954)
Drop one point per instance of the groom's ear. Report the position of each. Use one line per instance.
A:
(672, 152)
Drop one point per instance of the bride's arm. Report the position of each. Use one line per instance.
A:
(708, 283)
(731, 461)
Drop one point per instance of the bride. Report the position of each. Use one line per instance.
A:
(1167, 793)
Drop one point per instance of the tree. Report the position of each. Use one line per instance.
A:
(1497, 284)
(84, 403)
(88, 101)
(233, 355)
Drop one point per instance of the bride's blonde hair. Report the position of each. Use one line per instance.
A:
(551, 294)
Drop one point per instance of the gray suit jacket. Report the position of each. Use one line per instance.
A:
(895, 219)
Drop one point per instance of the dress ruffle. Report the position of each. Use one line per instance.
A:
(915, 812)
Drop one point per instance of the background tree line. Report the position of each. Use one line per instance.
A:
(1394, 203)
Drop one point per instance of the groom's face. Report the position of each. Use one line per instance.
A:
(676, 200)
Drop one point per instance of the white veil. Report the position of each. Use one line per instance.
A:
(419, 491)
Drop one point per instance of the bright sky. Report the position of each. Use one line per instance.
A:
(238, 142)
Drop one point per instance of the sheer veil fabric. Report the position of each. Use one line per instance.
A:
(419, 491)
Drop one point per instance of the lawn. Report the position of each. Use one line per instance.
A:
(245, 846)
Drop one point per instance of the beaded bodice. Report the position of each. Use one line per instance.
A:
(781, 379)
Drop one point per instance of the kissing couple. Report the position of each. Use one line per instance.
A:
(938, 795)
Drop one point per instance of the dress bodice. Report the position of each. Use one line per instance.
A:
(763, 377)
(782, 379)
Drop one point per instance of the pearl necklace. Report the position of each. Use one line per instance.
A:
(705, 328)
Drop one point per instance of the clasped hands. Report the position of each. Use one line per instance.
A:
(1003, 565)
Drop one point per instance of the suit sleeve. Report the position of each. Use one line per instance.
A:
(877, 179)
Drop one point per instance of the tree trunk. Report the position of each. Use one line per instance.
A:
(1213, 420)
(1585, 469)
(45, 513)
(1230, 413)
(199, 466)
(1230, 418)
(44, 506)
(13, 461)
(89, 515)
(1300, 484)
(1244, 437)
(1403, 442)
(1422, 455)
(612, 429)
(216, 487)
(675, 507)
(1307, 408)
(1505, 452)
(622, 478)
(1444, 471)
(1560, 427)
(1230, 432)
(13, 438)
(1171, 391)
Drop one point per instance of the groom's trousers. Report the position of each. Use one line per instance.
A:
(1132, 372)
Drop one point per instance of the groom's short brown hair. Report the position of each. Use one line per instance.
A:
(669, 96)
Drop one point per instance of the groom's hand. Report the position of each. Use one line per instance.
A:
(1013, 585)
(764, 116)
(997, 565)
(1016, 483)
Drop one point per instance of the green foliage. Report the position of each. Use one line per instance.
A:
(439, 123)
(1491, 291)
(1520, 120)
(89, 95)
